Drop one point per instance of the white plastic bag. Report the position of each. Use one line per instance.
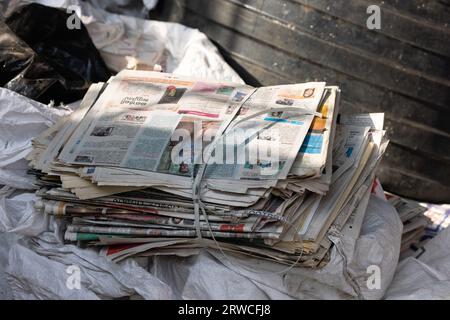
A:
(426, 277)
(17, 214)
(21, 119)
(44, 268)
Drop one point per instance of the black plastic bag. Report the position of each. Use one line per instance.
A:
(44, 60)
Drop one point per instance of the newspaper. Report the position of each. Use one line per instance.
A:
(313, 155)
(136, 123)
(415, 224)
(154, 163)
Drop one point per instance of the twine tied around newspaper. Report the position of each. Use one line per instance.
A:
(196, 186)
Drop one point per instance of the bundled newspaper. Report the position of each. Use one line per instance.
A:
(415, 224)
(156, 164)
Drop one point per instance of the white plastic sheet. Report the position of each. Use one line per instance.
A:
(21, 119)
(426, 277)
(17, 213)
(39, 270)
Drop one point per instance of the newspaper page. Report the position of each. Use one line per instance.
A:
(134, 123)
(373, 120)
(143, 119)
(312, 156)
(272, 138)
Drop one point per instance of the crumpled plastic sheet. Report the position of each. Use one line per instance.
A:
(38, 270)
(21, 119)
(17, 213)
(129, 42)
(425, 277)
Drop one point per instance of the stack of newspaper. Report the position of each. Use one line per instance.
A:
(414, 221)
(155, 163)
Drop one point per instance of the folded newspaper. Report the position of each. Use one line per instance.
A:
(159, 164)
(415, 224)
